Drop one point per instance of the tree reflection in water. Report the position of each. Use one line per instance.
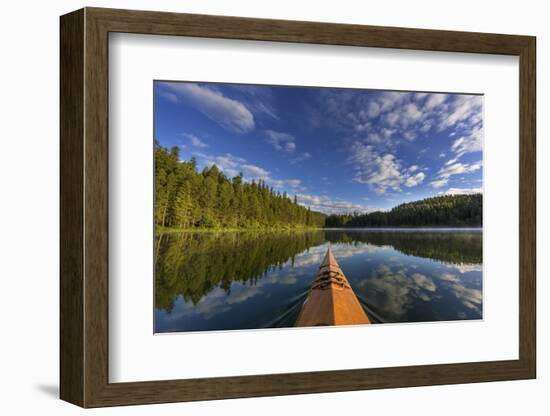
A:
(237, 280)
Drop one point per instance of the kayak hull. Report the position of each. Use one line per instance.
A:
(331, 300)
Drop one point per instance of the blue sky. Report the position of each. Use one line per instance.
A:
(338, 150)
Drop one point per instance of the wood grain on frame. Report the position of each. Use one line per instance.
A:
(84, 207)
(71, 213)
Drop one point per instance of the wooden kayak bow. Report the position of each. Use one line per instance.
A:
(331, 300)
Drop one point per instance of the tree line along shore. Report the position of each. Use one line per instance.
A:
(188, 199)
(439, 211)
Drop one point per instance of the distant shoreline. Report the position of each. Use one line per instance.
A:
(405, 227)
(166, 230)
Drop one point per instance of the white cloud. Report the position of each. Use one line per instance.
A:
(412, 112)
(328, 205)
(386, 133)
(415, 180)
(399, 112)
(228, 164)
(169, 96)
(391, 99)
(458, 168)
(382, 172)
(375, 123)
(385, 174)
(461, 191)
(195, 141)
(452, 168)
(280, 141)
(373, 109)
(374, 138)
(463, 109)
(231, 114)
(254, 172)
(435, 100)
(426, 127)
(263, 108)
(293, 185)
(387, 119)
(232, 166)
(301, 158)
(392, 118)
(469, 143)
(439, 183)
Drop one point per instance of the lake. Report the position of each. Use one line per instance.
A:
(246, 280)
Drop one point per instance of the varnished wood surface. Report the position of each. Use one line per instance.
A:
(84, 207)
(71, 99)
(331, 299)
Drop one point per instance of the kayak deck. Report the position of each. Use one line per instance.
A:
(331, 300)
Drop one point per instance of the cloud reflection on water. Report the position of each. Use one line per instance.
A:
(396, 285)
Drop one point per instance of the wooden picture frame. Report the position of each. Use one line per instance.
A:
(84, 207)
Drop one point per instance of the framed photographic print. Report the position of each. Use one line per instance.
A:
(242, 200)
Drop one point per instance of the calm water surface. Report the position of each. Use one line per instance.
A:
(244, 280)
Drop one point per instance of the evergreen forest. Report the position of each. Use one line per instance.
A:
(439, 211)
(188, 199)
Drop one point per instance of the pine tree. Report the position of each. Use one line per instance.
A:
(185, 198)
